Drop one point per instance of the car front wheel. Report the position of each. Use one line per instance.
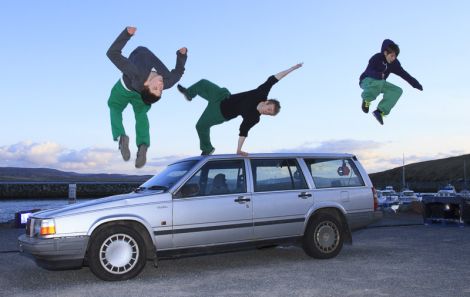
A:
(117, 253)
(323, 238)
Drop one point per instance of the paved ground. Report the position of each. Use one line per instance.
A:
(413, 260)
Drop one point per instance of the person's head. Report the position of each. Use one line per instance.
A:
(270, 107)
(391, 52)
(152, 90)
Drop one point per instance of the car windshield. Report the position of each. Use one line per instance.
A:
(168, 177)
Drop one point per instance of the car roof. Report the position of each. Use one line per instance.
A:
(271, 155)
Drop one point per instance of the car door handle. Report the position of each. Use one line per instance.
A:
(305, 195)
(242, 199)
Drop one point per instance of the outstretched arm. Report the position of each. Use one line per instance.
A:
(177, 72)
(263, 89)
(241, 140)
(281, 74)
(114, 52)
(406, 76)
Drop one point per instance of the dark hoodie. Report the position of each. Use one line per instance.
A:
(136, 68)
(378, 65)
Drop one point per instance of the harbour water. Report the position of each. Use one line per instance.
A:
(8, 208)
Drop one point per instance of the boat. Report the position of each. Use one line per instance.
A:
(381, 199)
(465, 193)
(447, 191)
(407, 196)
(391, 197)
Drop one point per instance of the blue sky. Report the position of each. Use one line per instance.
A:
(56, 78)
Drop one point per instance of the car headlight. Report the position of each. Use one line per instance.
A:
(44, 227)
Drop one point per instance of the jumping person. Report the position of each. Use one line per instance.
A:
(223, 106)
(373, 80)
(144, 77)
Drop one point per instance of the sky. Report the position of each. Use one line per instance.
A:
(56, 78)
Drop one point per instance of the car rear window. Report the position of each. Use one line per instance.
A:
(334, 173)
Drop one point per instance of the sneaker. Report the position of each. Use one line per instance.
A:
(379, 116)
(365, 106)
(124, 147)
(141, 156)
(208, 153)
(183, 91)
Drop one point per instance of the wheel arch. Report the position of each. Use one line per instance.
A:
(132, 222)
(336, 211)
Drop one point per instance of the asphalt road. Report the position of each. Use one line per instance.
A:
(414, 260)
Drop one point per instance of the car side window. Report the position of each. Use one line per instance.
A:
(277, 175)
(333, 173)
(216, 178)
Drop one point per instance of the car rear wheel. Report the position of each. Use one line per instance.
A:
(117, 253)
(323, 238)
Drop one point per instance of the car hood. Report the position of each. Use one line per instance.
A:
(103, 203)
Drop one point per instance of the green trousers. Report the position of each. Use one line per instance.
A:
(212, 115)
(118, 101)
(374, 87)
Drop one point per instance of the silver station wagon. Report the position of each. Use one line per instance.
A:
(209, 204)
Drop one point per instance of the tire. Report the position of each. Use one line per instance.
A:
(323, 238)
(117, 253)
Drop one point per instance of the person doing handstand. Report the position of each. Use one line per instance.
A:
(223, 106)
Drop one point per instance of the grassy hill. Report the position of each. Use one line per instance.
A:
(426, 176)
(16, 174)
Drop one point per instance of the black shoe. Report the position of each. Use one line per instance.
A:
(365, 106)
(141, 156)
(379, 116)
(208, 153)
(124, 147)
(183, 91)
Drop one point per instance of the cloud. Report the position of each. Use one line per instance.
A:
(336, 146)
(164, 161)
(89, 158)
(40, 154)
(27, 154)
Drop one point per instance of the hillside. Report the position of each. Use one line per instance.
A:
(16, 174)
(426, 176)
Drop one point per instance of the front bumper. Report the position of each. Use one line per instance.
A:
(55, 253)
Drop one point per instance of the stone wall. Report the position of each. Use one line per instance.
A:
(61, 190)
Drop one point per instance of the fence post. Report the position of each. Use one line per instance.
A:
(72, 193)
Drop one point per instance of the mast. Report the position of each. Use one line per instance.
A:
(464, 174)
(403, 173)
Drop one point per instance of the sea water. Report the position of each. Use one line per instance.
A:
(8, 208)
